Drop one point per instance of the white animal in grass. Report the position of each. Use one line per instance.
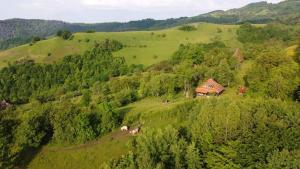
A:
(135, 131)
(124, 128)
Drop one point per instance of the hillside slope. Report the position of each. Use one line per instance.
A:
(19, 31)
(287, 11)
(142, 47)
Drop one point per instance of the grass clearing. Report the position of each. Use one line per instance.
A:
(93, 154)
(142, 47)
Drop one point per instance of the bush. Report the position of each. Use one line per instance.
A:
(64, 34)
(36, 39)
(187, 28)
(90, 31)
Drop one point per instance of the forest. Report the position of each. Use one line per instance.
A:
(78, 99)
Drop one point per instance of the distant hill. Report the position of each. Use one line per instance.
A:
(287, 11)
(14, 32)
(141, 47)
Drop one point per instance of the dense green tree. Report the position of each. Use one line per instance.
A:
(33, 131)
(284, 160)
(274, 74)
(24, 79)
(109, 118)
(187, 28)
(86, 98)
(224, 75)
(8, 151)
(254, 34)
(64, 34)
(193, 157)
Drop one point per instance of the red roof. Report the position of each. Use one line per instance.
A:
(210, 86)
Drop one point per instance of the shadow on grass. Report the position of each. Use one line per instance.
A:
(123, 111)
(26, 157)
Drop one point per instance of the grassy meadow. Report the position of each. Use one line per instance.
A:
(142, 47)
(152, 112)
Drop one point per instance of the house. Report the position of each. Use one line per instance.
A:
(210, 87)
(238, 55)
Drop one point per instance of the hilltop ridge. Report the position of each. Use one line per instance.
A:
(14, 32)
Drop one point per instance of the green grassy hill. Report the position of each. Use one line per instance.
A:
(140, 99)
(142, 47)
(151, 111)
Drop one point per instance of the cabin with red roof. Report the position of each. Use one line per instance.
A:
(210, 87)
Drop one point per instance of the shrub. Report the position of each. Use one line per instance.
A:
(64, 34)
(36, 39)
(90, 31)
(187, 28)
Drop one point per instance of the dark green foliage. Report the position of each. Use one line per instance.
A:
(284, 159)
(274, 74)
(90, 31)
(248, 33)
(9, 43)
(187, 28)
(35, 39)
(297, 94)
(73, 72)
(213, 60)
(72, 125)
(64, 34)
(86, 98)
(7, 154)
(221, 133)
(109, 119)
(194, 52)
(111, 45)
(33, 131)
(158, 85)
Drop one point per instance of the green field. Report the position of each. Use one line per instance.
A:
(142, 47)
(151, 112)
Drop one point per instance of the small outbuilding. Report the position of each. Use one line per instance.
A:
(210, 87)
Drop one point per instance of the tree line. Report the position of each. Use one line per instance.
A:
(220, 134)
